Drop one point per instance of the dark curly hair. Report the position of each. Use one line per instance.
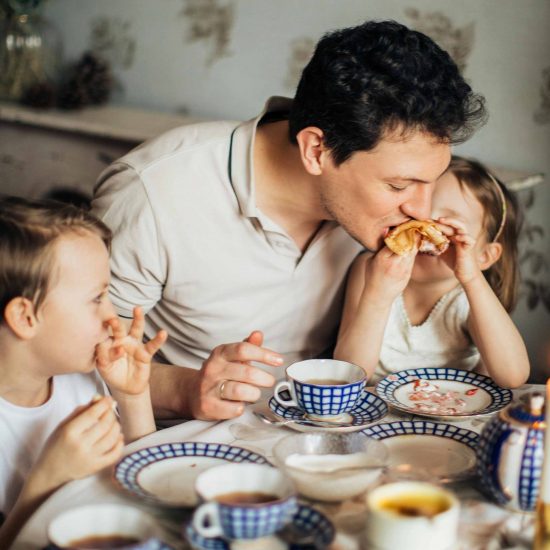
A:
(380, 76)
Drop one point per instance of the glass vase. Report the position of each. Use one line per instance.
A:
(30, 54)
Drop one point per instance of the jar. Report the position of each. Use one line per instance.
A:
(30, 53)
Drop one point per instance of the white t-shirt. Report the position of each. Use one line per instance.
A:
(442, 340)
(193, 250)
(25, 430)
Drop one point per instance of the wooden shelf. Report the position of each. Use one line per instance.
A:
(112, 122)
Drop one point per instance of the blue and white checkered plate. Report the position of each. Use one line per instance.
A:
(447, 450)
(368, 409)
(313, 528)
(165, 474)
(442, 393)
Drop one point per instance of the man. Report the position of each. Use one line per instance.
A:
(223, 230)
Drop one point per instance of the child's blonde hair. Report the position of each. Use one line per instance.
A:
(28, 231)
(501, 223)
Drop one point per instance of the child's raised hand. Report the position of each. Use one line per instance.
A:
(464, 261)
(387, 274)
(124, 361)
(89, 440)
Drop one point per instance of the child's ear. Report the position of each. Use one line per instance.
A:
(490, 254)
(312, 148)
(20, 317)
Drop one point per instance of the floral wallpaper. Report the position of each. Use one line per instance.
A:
(112, 38)
(542, 114)
(245, 50)
(211, 22)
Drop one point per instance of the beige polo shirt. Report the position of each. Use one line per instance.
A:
(191, 247)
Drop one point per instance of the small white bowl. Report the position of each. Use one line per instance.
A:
(103, 520)
(331, 467)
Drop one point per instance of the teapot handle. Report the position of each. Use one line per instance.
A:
(497, 460)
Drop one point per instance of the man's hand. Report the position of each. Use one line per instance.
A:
(123, 361)
(86, 442)
(227, 380)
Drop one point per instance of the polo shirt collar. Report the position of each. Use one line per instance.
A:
(241, 156)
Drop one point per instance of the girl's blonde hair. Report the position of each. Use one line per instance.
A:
(28, 232)
(501, 223)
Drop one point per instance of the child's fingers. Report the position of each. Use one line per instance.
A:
(111, 456)
(108, 439)
(88, 417)
(152, 346)
(454, 223)
(117, 328)
(103, 426)
(138, 324)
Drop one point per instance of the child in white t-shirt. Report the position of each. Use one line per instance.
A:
(57, 326)
(451, 310)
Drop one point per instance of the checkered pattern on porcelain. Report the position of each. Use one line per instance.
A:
(368, 408)
(128, 468)
(488, 458)
(151, 544)
(500, 397)
(253, 521)
(307, 520)
(328, 400)
(407, 427)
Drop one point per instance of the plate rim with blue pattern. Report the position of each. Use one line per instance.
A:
(386, 388)
(362, 415)
(397, 428)
(321, 526)
(127, 469)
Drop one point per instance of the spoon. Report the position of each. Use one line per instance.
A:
(303, 421)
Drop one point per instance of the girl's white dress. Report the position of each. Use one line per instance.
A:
(442, 340)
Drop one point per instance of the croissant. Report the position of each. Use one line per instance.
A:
(422, 234)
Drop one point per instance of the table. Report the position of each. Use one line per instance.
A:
(484, 526)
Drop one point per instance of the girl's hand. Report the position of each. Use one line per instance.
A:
(387, 274)
(123, 361)
(87, 441)
(463, 259)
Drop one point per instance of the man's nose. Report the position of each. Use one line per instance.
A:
(419, 204)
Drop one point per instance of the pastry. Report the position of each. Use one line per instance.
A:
(422, 234)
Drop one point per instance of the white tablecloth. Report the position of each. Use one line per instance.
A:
(484, 526)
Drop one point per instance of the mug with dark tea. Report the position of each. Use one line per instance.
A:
(104, 526)
(243, 501)
(322, 388)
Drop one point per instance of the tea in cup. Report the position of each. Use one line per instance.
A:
(104, 526)
(322, 388)
(412, 514)
(243, 501)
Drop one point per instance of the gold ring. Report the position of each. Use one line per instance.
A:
(221, 388)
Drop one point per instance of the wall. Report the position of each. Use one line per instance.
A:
(222, 58)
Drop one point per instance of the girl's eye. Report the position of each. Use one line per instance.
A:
(99, 299)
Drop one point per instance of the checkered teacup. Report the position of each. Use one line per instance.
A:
(322, 388)
(243, 501)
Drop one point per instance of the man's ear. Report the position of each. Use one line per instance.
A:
(312, 149)
(490, 254)
(19, 316)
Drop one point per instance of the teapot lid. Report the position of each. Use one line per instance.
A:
(528, 410)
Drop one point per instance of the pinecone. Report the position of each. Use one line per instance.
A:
(39, 96)
(90, 83)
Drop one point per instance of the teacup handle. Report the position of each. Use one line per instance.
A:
(207, 513)
(285, 385)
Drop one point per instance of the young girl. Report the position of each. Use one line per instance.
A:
(451, 310)
(57, 326)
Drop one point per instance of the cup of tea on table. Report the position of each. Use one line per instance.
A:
(412, 514)
(104, 526)
(322, 388)
(243, 501)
